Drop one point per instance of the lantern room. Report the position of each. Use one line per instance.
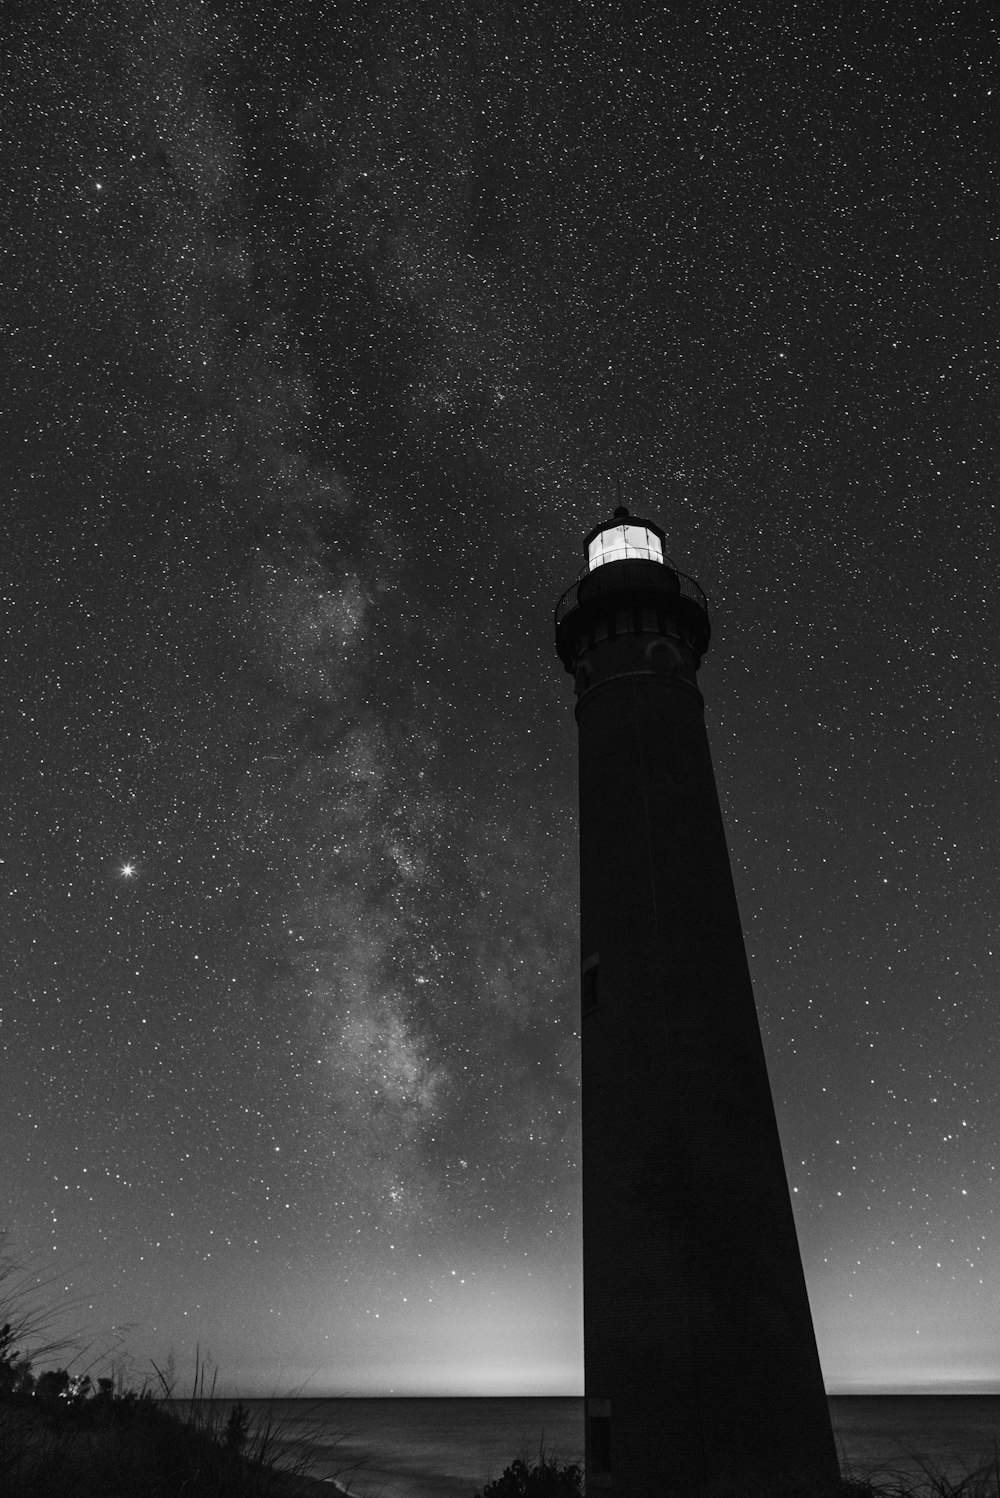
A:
(624, 539)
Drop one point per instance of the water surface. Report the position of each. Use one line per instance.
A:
(448, 1448)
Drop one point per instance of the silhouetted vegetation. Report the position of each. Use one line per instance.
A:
(547, 1478)
(981, 1483)
(64, 1436)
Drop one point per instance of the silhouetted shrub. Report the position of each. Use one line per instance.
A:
(52, 1385)
(237, 1428)
(15, 1369)
(546, 1479)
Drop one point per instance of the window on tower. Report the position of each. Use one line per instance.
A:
(624, 543)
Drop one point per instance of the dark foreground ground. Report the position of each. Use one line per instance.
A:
(145, 1452)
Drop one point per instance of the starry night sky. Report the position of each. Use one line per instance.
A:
(327, 328)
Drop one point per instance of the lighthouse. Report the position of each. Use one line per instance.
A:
(700, 1358)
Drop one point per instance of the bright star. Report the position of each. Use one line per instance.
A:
(128, 871)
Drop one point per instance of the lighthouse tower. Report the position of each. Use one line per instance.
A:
(700, 1358)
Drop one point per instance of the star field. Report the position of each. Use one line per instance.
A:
(327, 331)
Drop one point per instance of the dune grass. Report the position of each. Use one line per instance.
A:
(123, 1443)
(64, 1436)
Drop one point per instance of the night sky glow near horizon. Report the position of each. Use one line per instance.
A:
(327, 328)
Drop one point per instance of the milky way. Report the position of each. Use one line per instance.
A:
(329, 333)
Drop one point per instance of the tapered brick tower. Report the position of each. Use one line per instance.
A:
(701, 1362)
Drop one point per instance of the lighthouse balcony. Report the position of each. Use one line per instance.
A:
(635, 587)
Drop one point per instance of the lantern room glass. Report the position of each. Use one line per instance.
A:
(624, 543)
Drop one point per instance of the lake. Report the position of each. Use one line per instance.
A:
(448, 1448)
